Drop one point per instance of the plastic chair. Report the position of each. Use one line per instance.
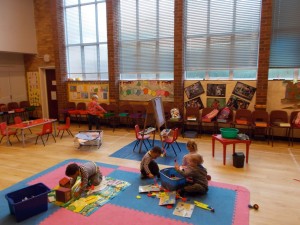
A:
(260, 122)
(294, 125)
(140, 137)
(18, 120)
(7, 133)
(168, 141)
(138, 115)
(65, 127)
(46, 130)
(208, 122)
(191, 118)
(279, 119)
(243, 118)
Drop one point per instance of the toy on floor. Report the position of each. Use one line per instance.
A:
(204, 206)
(255, 206)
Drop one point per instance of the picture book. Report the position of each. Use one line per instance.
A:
(148, 188)
(184, 209)
(167, 198)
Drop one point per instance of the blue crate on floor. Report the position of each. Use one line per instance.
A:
(171, 179)
(29, 201)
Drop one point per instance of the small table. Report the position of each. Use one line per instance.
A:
(226, 142)
(32, 123)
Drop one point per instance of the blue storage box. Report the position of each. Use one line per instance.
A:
(29, 201)
(171, 179)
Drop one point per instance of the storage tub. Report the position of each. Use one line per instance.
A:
(229, 133)
(28, 202)
(171, 179)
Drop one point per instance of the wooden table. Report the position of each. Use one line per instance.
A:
(225, 142)
(31, 123)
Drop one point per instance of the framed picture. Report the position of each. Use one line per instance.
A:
(196, 102)
(236, 103)
(216, 103)
(218, 90)
(194, 90)
(244, 91)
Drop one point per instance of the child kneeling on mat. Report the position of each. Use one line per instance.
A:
(195, 174)
(148, 167)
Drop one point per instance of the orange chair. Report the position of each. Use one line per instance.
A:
(19, 120)
(46, 130)
(279, 119)
(168, 141)
(294, 124)
(140, 137)
(65, 127)
(7, 133)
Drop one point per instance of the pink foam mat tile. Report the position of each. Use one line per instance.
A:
(109, 215)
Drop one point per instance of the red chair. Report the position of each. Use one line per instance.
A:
(7, 133)
(65, 127)
(47, 130)
(19, 120)
(140, 137)
(168, 141)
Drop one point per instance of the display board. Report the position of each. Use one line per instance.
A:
(83, 91)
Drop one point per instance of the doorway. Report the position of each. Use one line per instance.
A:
(51, 93)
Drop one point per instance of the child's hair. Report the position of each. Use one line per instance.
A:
(156, 149)
(196, 159)
(192, 146)
(71, 169)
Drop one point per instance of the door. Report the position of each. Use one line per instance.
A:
(51, 93)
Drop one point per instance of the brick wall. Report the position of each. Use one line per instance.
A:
(50, 40)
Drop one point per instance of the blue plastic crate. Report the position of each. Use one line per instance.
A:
(29, 201)
(171, 179)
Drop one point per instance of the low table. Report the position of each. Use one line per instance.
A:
(225, 142)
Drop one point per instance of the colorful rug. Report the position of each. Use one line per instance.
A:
(229, 201)
(127, 153)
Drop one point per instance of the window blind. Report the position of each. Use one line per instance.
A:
(146, 38)
(222, 34)
(285, 43)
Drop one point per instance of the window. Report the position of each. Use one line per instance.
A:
(222, 39)
(285, 42)
(146, 38)
(86, 39)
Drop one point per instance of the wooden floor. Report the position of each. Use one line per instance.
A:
(269, 176)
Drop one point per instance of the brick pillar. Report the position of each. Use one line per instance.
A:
(264, 54)
(112, 7)
(58, 35)
(178, 55)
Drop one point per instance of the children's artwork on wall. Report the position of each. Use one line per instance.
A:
(79, 91)
(33, 88)
(218, 90)
(194, 90)
(145, 90)
(216, 103)
(244, 91)
(236, 103)
(196, 102)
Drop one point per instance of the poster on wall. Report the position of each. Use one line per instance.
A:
(236, 103)
(196, 102)
(84, 92)
(218, 90)
(145, 90)
(194, 90)
(244, 91)
(33, 88)
(216, 103)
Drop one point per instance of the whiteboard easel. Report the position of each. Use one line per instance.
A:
(155, 107)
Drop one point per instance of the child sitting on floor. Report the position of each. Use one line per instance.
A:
(90, 175)
(148, 167)
(195, 174)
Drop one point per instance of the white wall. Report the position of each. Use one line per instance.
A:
(17, 27)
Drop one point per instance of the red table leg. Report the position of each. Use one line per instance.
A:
(213, 147)
(247, 152)
(224, 154)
